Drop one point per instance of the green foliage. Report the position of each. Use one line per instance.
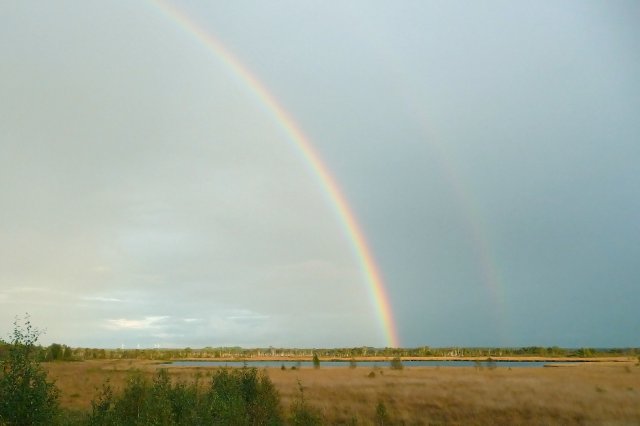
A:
(55, 352)
(396, 364)
(382, 416)
(233, 397)
(238, 353)
(302, 414)
(102, 412)
(4, 350)
(26, 397)
(316, 361)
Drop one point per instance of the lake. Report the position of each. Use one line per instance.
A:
(359, 364)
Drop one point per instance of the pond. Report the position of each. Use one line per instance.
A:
(359, 364)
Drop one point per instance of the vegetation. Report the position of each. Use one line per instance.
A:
(343, 353)
(352, 363)
(26, 396)
(109, 392)
(238, 397)
(396, 364)
(491, 364)
(301, 413)
(445, 395)
(60, 352)
(382, 417)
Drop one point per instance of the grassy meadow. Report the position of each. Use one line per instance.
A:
(582, 393)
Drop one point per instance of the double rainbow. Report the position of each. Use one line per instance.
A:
(310, 155)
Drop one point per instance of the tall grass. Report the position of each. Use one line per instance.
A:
(426, 395)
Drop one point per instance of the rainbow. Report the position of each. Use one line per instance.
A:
(303, 144)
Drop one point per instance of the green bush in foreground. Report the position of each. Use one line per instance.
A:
(233, 397)
(26, 397)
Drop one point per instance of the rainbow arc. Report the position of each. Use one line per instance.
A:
(303, 144)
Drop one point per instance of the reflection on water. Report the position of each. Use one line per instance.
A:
(359, 364)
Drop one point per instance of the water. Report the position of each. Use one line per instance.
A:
(359, 364)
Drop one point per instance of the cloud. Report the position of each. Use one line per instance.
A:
(29, 289)
(245, 315)
(146, 323)
(101, 299)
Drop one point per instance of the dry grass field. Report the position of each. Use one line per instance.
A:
(600, 393)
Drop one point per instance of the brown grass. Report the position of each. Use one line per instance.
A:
(577, 394)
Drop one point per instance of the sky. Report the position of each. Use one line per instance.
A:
(488, 152)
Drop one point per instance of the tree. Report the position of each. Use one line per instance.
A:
(55, 352)
(68, 354)
(316, 360)
(352, 363)
(396, 364)
(26, 397)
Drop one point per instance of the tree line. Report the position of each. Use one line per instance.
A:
(61, 352)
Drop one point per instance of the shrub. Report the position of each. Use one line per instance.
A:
(129, 408)
(237, 397)
(316, 361)
(382, 416)
(102, 412)
(396, 364)
(301, 413)
(26, 397)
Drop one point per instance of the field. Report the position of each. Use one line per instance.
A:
(584, 393)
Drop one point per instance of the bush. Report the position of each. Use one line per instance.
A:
(238, 397)
(301, 413)
(102, 412)
(382, 416)
(26, 397)
(396, 364)
(316, 361)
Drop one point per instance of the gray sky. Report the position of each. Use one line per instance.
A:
(489, 152)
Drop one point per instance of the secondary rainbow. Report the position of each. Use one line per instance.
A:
(303, 144)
